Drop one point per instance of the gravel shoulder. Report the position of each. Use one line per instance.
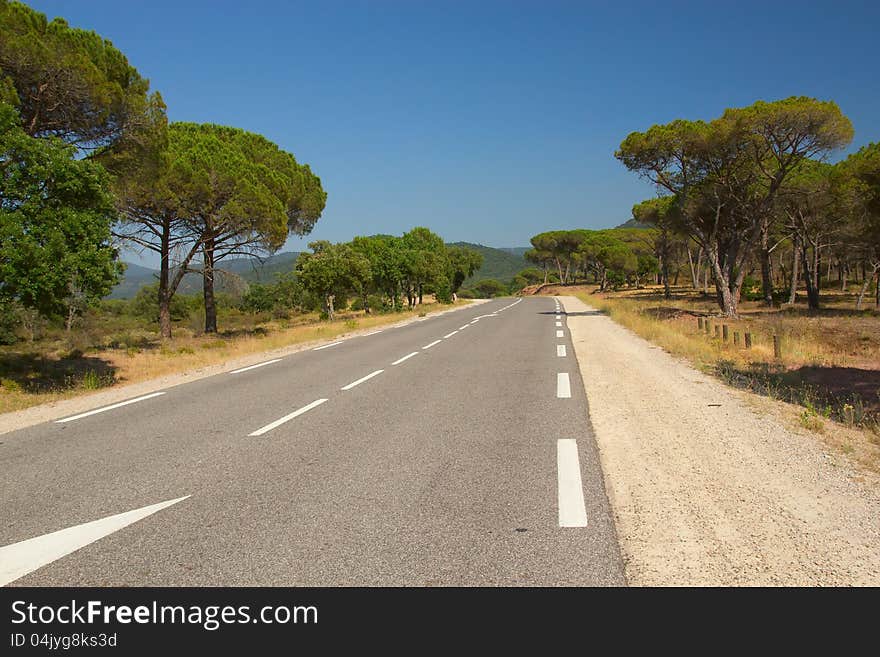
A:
(707, 491)
(65, 407)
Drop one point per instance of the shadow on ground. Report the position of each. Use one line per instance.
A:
(38, 374)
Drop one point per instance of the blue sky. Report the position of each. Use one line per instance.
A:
(486, 121)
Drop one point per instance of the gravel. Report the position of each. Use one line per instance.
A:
(704, 490)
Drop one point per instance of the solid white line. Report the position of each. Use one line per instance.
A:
(400, 360)
(558, 324)
(462, 328)
(253, 367)
(560, 350)
(428, 346)
(449, 335)
(572, 511)
(19, 559)
(563, 386)
(559, 334)
(287, 418)
(109, 408)
(326, 346)
(474, 321)
(361, 380)
(373, 333)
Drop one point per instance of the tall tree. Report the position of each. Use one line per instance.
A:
(463, 263)
(331, 271)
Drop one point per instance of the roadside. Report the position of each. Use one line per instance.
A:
(188, 365)
(706, 488)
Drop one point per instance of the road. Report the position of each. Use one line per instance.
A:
(456, 450)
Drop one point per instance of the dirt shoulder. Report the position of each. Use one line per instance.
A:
(15, 420)
(708, 490)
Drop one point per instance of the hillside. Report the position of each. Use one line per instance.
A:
(500, 264)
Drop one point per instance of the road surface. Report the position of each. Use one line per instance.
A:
(456, 450)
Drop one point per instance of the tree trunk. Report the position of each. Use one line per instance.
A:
(727, 299)
(420, 293)
(795, 259)
(667, 294)
(810, 278)
(766, 269)
(208, 286)
(164, 272)
(844, 274)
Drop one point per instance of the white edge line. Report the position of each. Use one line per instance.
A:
(253, 367)
(449, 335)
(371, 333)
(408, 356)
(287, 418)
(428, 346)
(361, 380)
(109, 408)
(462, 328)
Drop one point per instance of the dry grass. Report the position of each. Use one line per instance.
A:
(829, 365)
(51, 370)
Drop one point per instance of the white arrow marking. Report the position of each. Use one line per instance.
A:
(19, 559)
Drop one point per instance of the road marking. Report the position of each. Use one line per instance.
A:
(558, 324)
(109, 408)
(475, 320)
(559, 334)
(449, 335)
(19, 559)
(558, 316)
(462, 328)
(563, 386)
(560, 350)
(361, 380)
(572, 511)
(253, 367)
(400, 360)
(327, 346)
(373, 333)
(428, 346)
(287, 418)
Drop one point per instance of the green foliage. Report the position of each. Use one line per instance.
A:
(55, 218)
(66, 82)
(146, 305)
(463, 264)
(486, 289)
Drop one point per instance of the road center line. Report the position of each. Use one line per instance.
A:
(287, 418)
(560, 350)
(558, 316)
(428, 346)
(19, 559)
(362, 379)
(408, 356)
(563, 385)
(253, 367)
(558, 324)
(559, 334)
(327, 346)
(449, 335)
(572, 511)
(109, 408)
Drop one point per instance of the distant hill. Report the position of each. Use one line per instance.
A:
(500, 264)
(248, 269)
(632, 223)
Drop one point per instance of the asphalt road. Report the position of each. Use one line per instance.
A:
(464, 464)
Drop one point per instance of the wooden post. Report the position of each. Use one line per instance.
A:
(706, 325)
(700, 323)
(777, 347)
(736, 338)
(725, 332)
(748, 340)
(717, 331)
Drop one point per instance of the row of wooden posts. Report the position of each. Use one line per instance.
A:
(722, 332)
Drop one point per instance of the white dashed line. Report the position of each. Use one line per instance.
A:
(287, 418)
(109, 408)
(362, 379)
(558, 324)
(428, 346)
(462, 328)
(449, 335)
(408, 356)
(253, 367)
(558, 316)
(563, 386)
(326, 346)
(559, 334)
(572, 511)
(560, 350)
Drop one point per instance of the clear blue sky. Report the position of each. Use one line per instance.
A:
(486, 121)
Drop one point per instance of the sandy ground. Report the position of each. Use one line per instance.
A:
(707, 491)
(66, 407)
